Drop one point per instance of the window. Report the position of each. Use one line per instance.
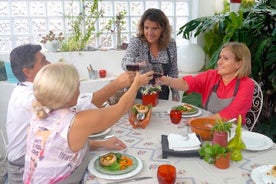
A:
(24, 21)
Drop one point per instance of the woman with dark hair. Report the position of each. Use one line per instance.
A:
(155, 45)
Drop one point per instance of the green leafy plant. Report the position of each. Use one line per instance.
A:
(83, 26)
(210, 152)
(3, 73)
(150, 89)
(116, 24)
(222, 126)
(255, 27)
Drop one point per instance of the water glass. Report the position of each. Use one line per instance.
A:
(93, 74)
(166, 174)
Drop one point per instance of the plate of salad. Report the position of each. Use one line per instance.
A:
(115, 165)
(187, 110)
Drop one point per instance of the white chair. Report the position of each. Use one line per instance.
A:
(256, 108)
(3, 157)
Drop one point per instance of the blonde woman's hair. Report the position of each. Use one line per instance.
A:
(54, 86)
(242, 54)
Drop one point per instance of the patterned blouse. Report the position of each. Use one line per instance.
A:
(49, 158)
(138, 48)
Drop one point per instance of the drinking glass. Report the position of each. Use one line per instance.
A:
(139, 63)
(158, 71)
(166, 174)
(131, 65)
(144, 65)
(175, 116)
(157, 68)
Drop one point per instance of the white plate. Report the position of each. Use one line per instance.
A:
(261, 175)
(100, 133)
(192, 115)
(256, 141)
(92, 170)
(199, 112)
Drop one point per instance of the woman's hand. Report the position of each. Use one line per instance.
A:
(143, 79)
(112, 143)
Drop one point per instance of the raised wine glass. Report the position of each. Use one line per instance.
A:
(157, 68)
(131, 65)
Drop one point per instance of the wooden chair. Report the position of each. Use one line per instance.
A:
(256, 108)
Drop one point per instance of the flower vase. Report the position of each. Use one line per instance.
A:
(235, 5)
(223, 161)
(220, 138)
(52, 46)
(150, 99)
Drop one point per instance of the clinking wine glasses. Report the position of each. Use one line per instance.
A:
(138, 64)
(157, 68)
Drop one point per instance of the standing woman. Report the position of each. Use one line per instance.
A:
(154, 43)
(227, 90)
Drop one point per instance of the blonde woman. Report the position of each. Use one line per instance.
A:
(227, 90)
(57, 146)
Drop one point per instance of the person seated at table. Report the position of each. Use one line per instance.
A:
(154, 45)
(26, 60)
(57, 145)
(227, 90)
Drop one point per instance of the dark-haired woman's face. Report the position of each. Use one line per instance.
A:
(152, 31)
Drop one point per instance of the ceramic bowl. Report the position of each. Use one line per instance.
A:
(202, 127)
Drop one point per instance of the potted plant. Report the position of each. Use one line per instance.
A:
(52, 41)
(216, 154)
(83, 27)
(220, 132)
(150, 94)
(116, 24)
(3, 73)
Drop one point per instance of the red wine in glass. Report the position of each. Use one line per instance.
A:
(158, 71)
(132, 67)
(157, 75)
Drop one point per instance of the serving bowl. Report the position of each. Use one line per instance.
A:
(202, 127)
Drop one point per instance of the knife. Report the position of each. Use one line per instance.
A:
(130, 180)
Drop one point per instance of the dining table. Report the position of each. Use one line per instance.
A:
(145, 144)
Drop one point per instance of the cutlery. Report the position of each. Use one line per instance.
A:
(130, 180)
(139, 116)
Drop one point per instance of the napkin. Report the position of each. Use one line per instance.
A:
(179, 143)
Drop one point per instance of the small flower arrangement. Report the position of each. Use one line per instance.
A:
(51, 36)
(150, 89)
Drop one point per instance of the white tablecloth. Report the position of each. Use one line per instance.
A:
(146, 145)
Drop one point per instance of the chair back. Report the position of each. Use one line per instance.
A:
(3, 157)
(256, 108)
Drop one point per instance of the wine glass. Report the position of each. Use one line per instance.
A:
(157, 68)
(158, 71)
(131, 65)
